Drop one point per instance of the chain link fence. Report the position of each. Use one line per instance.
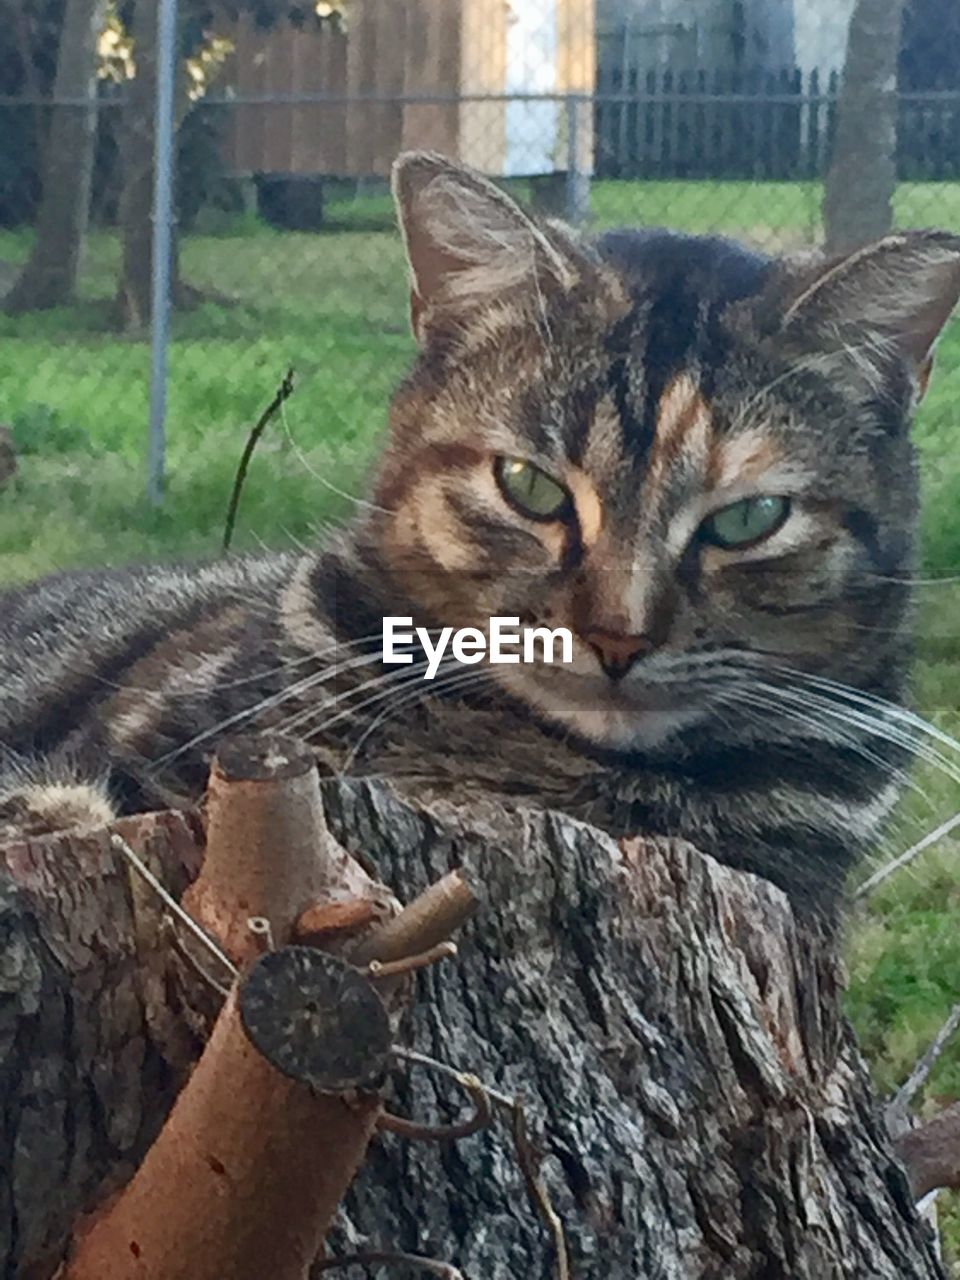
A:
(701, 115)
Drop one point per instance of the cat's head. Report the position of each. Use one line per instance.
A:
(694, 457)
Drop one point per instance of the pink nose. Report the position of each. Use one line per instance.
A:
(617, 653)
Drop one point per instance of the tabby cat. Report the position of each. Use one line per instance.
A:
(693, 456)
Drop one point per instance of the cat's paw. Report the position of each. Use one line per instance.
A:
(40, 808)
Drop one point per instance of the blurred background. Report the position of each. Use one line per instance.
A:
(787, 123)
(790, 124)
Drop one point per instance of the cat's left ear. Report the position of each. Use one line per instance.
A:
(467, 241)
(893, 296)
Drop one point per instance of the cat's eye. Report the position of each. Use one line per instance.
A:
(531, 490)
(746, 522)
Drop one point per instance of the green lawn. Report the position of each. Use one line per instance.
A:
(775, 213)
(334, 306)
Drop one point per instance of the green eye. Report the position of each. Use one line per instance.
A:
(744, 523)
(531, 490)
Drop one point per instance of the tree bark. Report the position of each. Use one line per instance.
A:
(91, 1056)
(858, 193)
(49, 278)
(675, 1033)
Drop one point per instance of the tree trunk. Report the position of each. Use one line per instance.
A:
(134, 289)
(858, 193)
(696, 1094)
(50, 277)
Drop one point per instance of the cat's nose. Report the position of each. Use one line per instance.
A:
(617, 653)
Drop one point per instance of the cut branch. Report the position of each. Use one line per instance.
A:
(423, 924)
(897, 1111)
(897, 864)
(254, 1159)
(269, 854)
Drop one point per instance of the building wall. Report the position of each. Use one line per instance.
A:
(724, 35)
(821, 34)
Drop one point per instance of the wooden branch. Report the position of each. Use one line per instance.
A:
(269, 854)
(931, 1152)
(324, 924)
(904, 859)
(440, 911)
(261, 1145)
(897, 1111)
(283, 393)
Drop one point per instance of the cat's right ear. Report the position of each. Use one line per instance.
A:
(465, 239)
(891, 297)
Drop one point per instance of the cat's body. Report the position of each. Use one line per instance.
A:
(156, 664)
(637, 393)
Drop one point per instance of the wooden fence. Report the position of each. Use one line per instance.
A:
(314, 100)
(753, 124)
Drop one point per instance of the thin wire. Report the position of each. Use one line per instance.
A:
(167, 898)
(932, 837)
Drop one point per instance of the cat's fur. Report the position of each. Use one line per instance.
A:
(656, 376)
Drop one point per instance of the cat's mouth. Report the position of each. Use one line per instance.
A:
(632, 714)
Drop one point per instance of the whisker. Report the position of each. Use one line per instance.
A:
(262, 674)
(913, 744)
(414, 676)
(310, 715)
(820, 363)
(314, 680)
(298, 687)
(948, 578)
(833, 691)
(892, 709)
(327, 484)
(458, 678)
(817, 727)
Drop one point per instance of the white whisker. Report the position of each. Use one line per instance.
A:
(862, 698)
(817, 727)
(247, 714)
(327, 484)
(873, 725)
(308, 716)
(458, 679)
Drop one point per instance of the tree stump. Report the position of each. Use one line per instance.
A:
(697, 1098)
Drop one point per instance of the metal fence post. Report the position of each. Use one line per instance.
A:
(161, 243)
(578, 106)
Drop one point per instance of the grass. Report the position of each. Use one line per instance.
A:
(773, 213)
(334, 306)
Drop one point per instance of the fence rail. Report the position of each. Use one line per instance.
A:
(747, 125)
(751, 124)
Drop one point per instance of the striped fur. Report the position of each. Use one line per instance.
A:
(656, 377)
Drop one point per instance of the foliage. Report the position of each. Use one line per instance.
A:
(28, 64)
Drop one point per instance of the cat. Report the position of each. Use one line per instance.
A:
(694, 456)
